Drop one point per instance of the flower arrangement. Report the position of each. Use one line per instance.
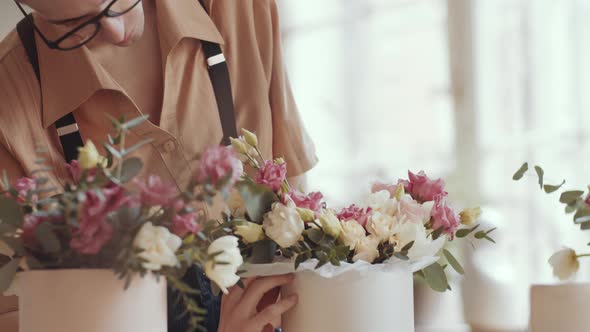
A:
(407, 220)
(98, 223)
(565, 262)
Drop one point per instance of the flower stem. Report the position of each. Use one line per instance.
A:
(122, 150)
(583, 255)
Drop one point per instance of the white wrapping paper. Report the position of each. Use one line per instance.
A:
(351, 298)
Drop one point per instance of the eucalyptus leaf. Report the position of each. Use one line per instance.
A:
(134, 122)
(315, 235)
(585, 226)
(258, 199)
(112, 150)
(571, 209)
(136, 146)
(408, 246)
(568, 197)
(551, 188)
(540, 175)
(47, 238)
(435, 277)
(131, 168)
(453, 261)
(7, 274)
(466, 231)
(521, 172)
(401, 256)
(582, 215)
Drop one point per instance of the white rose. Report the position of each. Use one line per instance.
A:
(565, 263)
(159, 246)
(352, 233)
(408, 210)
(250, 232)
(224, 274)
(381, 201)
(283, 224)
(236, 204)
(366, 249)
(381, 225)
(423, 245)
(330, 223)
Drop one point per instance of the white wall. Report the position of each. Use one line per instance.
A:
(9, 16)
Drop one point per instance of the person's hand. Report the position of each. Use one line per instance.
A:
(239, 307)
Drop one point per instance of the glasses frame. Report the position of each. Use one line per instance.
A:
(107, 12)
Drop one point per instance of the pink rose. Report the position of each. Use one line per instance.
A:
(154, 192)
(422, 188)
(94, 230)
(217, 163)
(272, 175)
(444, 217)
(185, 224)
(24, 186)
(311, 201)
(356, 213)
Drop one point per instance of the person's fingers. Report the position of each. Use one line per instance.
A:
(272, 314)
(256, 290)
(271, 297)
(229, 301)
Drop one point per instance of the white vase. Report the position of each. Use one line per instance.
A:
(354, 301)
(90, 301)
(560, 308)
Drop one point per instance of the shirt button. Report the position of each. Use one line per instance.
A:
(169, 146)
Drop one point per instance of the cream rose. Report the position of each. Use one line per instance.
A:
(330, 223)
(224, 274)
(283, 224)
(381, 201)
(367, 249)
(565, 263)
(381, 225)
(352, 233)
(159, 246)
(423, 245)
(250, 232)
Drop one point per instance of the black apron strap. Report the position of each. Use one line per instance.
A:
(219, 75)
(67, 128)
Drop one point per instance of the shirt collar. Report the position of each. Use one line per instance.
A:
(68, 79)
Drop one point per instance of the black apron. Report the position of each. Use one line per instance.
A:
(70, 140)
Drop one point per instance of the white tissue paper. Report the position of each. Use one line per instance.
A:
(350, 298)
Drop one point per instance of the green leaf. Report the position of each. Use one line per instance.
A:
(571, 209)
(520, 173)
(453, 261)
(315, 235)
(489, 239)
(551, 188)
(435, 277)
(465, 231)
(401, 256)
(258, 199)
(11, 212)
(437, 233)
(540, 175)
(7, 274)
(408, 246)
(131, 168)
(480, 235)
(134, 122)
(585, 226)
(582, 215)
(568, 197)
(47, 238)
(300, 259)
(111, 149)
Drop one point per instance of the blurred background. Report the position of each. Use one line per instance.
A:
(463, 89)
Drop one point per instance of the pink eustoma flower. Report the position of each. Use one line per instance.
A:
(422, 188)
(356, 213)
(217, 163)
(185, 224)
(311, 201)
(444, 217)
(94, 230)
(272, 175)
(24, 186)
(156, 192)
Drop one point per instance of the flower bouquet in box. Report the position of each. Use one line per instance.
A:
(353, 267)
(98, 256)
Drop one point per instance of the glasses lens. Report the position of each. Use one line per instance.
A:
(123, 6)
(78, 38)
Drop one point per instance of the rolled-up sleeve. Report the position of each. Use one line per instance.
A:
(290, 139)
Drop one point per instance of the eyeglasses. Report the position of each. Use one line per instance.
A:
(86, 31)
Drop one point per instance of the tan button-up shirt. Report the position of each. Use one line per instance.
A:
(76, 82)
